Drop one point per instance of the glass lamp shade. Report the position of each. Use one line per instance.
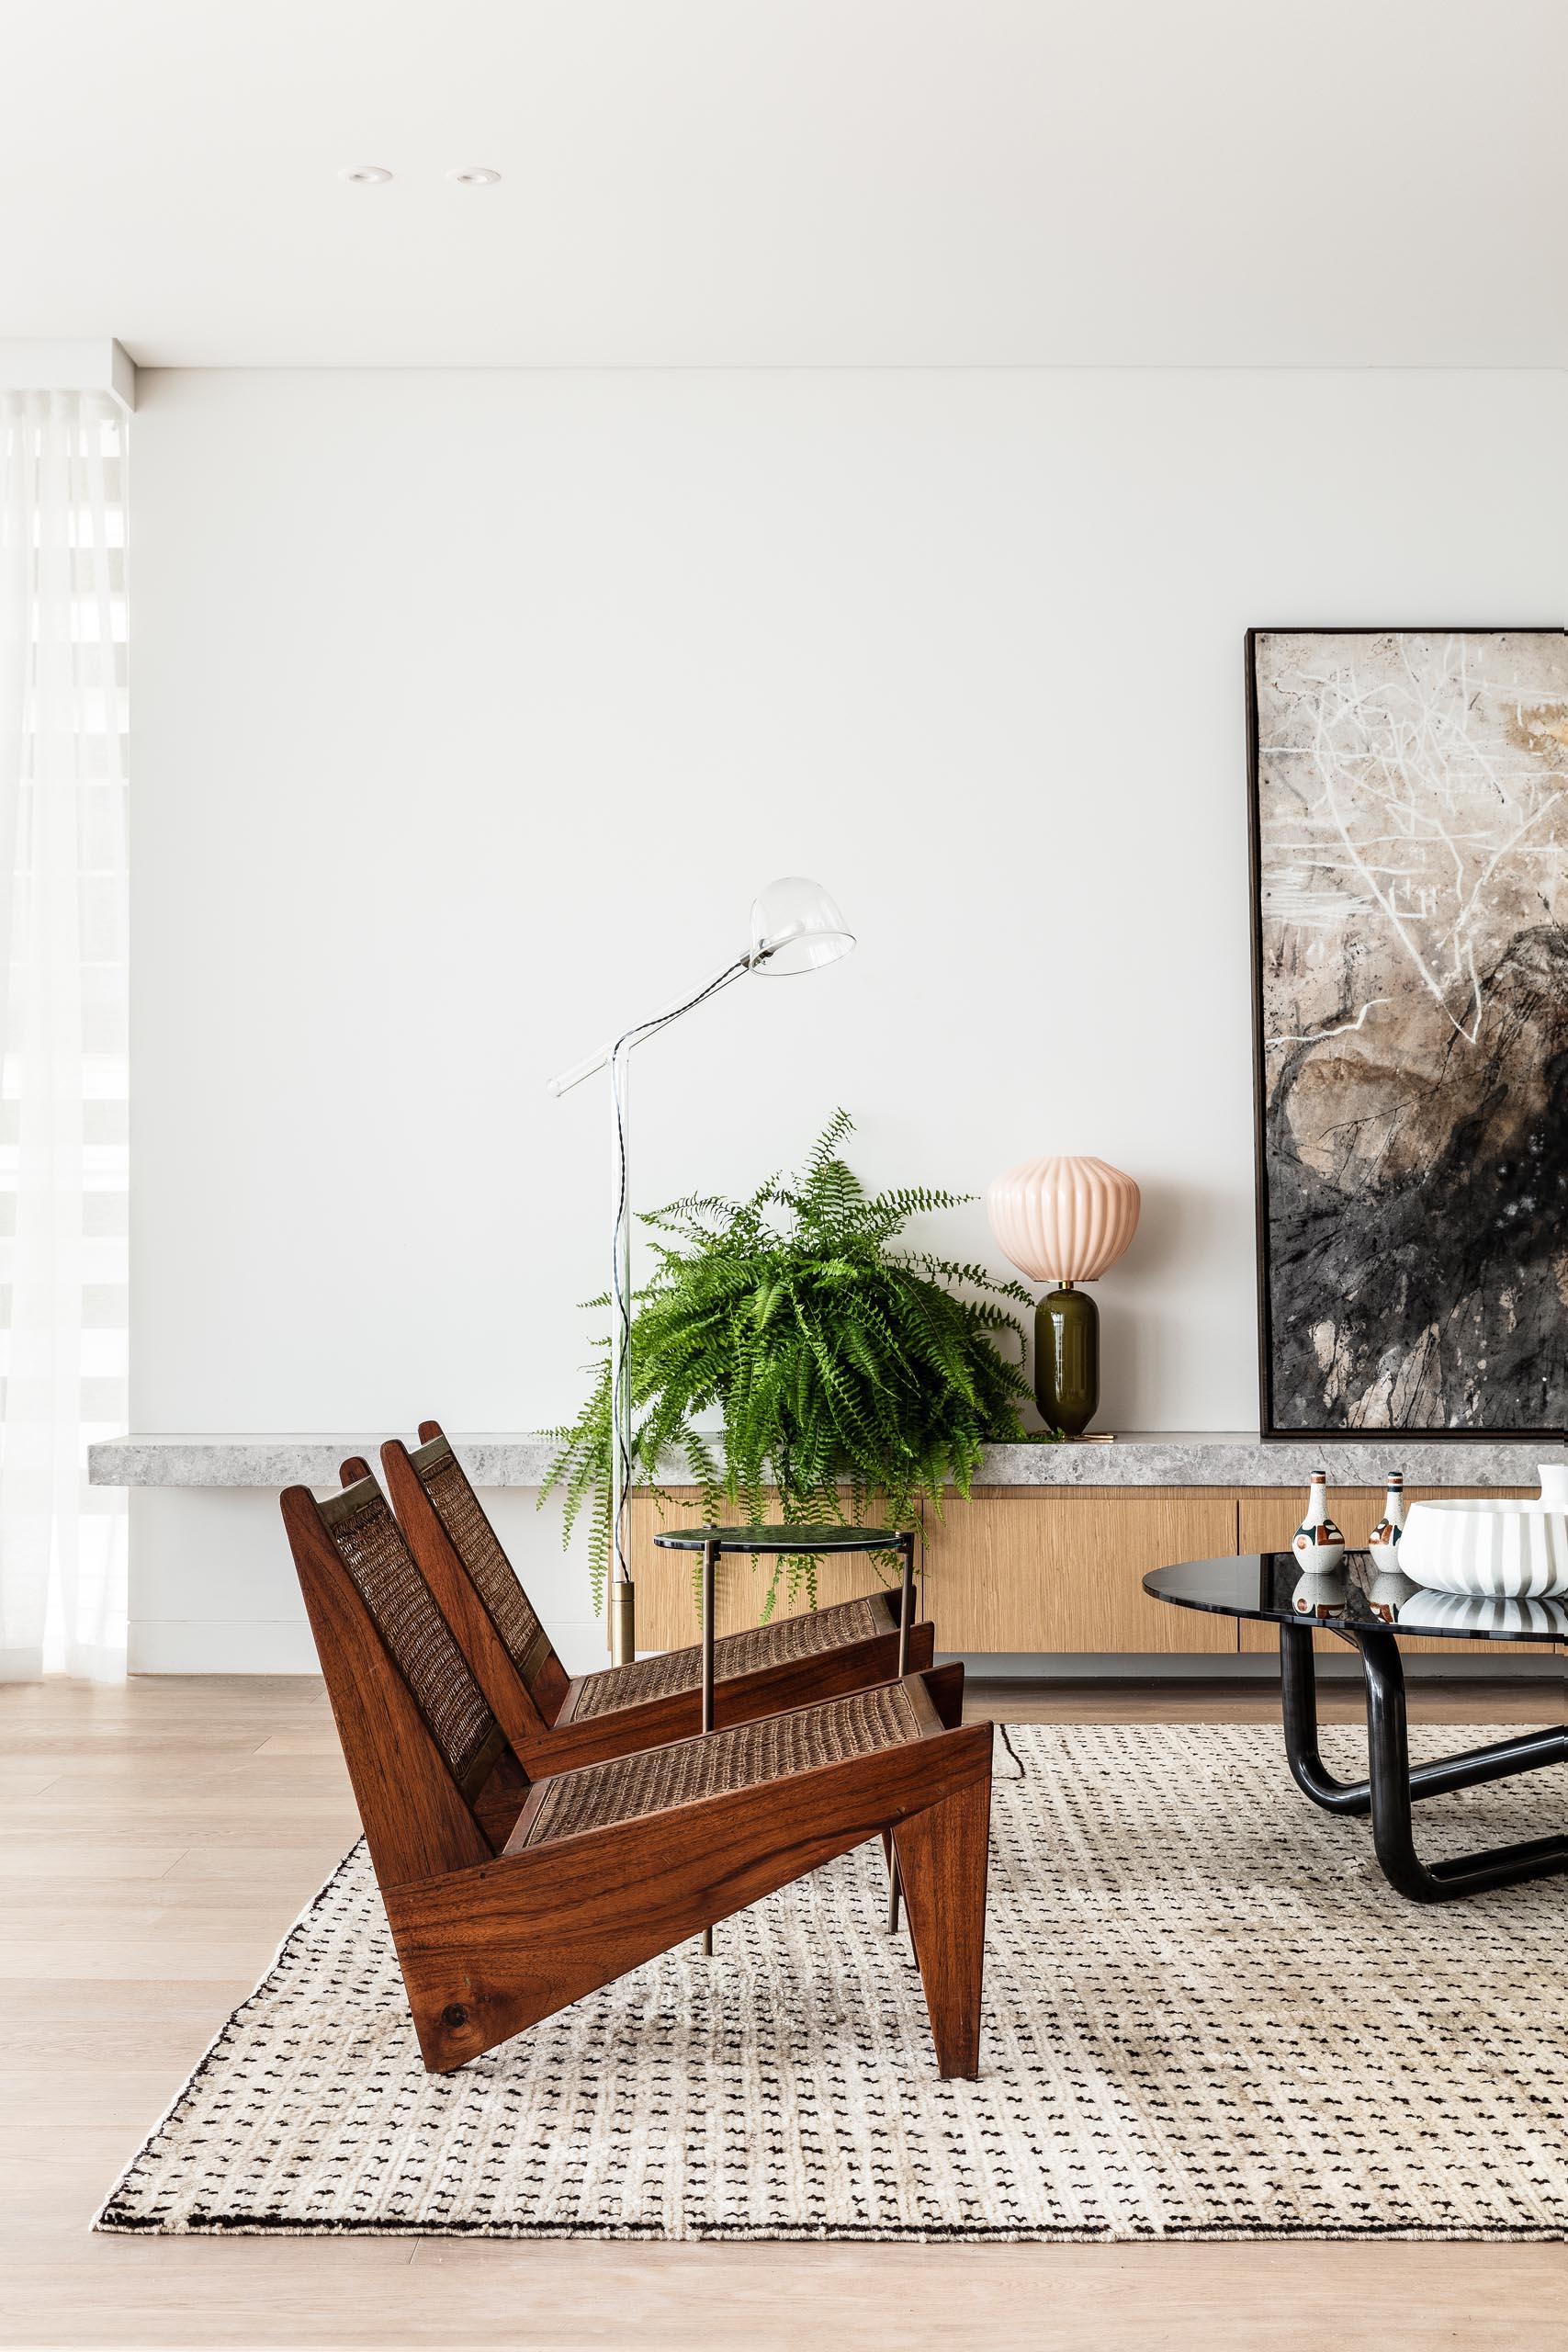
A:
(795, 927)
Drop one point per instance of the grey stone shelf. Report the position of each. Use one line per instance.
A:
(1142, 1458)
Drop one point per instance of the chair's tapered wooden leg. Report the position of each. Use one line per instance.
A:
(942, 1855)
(888, 1857)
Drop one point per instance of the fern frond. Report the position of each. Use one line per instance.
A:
(850, 1377)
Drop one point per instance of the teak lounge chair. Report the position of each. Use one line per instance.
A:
(507, 1900)
(553, 1721)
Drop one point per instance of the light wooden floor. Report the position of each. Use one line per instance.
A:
(155, 1842)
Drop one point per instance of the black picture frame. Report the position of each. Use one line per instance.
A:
(1269, 1428)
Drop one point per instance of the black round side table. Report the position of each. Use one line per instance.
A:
(711, 1540)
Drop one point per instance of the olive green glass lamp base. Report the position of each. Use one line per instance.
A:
(1066, 1359)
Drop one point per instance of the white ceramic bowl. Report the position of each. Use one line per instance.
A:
(1519, 1551)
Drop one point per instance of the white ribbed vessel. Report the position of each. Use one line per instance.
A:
(1518, 1550)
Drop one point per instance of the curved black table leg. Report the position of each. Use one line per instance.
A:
(1393, 1787)
(1297, 1693)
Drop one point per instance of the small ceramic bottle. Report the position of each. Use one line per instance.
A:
(1387, 1586)
(1317, 1543)
(1384, 1537)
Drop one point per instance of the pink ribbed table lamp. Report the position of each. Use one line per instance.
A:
(1065, 1221)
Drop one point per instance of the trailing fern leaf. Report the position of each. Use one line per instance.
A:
(843, 1374)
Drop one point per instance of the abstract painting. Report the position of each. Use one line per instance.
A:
(1410, 884)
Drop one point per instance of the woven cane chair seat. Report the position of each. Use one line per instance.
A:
(717, 1765)
(808, 1634)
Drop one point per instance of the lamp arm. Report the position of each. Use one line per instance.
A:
(617, 1056)
(641, 1029)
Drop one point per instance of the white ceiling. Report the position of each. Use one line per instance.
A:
(790, 182)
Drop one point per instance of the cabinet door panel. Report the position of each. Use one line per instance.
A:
(1061, 1569)
(667, 1612)
(1271, 1516)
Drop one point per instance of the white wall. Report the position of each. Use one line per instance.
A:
(470, 707)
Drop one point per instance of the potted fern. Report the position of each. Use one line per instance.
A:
(842, 1370)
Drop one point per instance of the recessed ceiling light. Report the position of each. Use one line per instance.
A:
(365, 175)
(474, 175)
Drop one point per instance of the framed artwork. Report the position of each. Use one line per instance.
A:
(1409, 821)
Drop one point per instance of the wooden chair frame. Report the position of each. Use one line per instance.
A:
(538, 1721)
(492, 1934)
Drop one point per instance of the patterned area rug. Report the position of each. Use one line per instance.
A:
(1207, 2016)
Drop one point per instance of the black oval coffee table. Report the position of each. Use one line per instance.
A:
(1373, 1611)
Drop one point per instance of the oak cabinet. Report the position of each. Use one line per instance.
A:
(1056, 1570)
(1061, 1570)
(666, 1607)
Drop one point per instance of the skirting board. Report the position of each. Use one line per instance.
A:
(1492, 1661)
(225, 1645)
(278, 1646)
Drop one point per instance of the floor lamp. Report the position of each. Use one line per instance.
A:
(795, 927)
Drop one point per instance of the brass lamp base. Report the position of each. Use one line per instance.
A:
(623, 1621)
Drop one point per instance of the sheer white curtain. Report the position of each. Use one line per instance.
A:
(64, 1110)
